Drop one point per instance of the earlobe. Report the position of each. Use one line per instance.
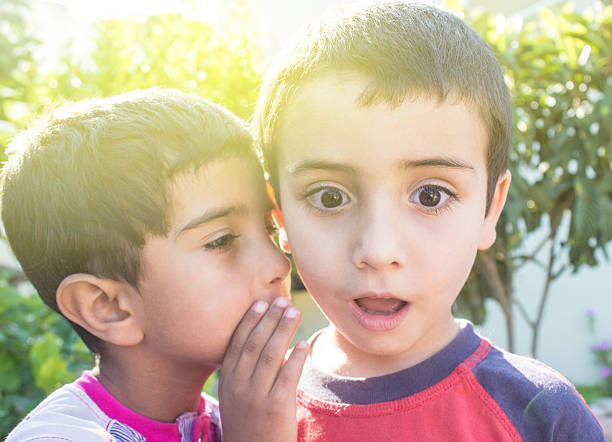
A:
(103, 307)
(488, 235)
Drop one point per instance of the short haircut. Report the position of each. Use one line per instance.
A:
(406, 51)
(84, 184)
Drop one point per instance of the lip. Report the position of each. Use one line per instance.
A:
(378, 322)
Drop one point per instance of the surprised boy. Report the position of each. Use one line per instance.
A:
(385, 130)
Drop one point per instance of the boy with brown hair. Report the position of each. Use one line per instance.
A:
(144, 220)
(385, 130)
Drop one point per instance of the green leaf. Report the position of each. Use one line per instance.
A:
(9, 373)
(52, 374)
(46, 348)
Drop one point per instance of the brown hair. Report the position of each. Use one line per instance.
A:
(407, 51)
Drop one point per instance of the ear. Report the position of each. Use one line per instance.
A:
(103, 307)
(488, 234)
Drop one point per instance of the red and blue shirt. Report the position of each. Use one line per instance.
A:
(469, 391)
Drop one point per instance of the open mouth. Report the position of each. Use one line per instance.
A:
(380, 306)
(379, 313)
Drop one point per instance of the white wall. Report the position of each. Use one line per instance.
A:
(565, 340)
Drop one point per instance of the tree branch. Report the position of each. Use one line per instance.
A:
(531, 257)
(499, 292)
(524, 313)
(560, 271)
(545, 293)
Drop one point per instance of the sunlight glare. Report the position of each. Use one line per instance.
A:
(92, 10)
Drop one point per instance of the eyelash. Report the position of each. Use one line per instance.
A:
(226, 241)
(222, 243)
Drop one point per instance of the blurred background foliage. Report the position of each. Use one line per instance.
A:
(558, 66)
(559, 69)
(38, 349)
(168, 50)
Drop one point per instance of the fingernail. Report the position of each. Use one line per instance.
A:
(301, 344)
(260, 306)
(291, 313)
(281, 302)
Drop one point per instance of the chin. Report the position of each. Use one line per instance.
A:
(383, 346)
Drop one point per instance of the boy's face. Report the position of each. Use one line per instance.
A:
(217, 259)
(384, 209)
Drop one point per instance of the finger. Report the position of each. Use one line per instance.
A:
(287, 380)
(273, 354)
(248, 322)
(257, 339)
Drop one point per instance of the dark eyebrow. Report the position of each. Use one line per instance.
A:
(209, 216)
(453, 163)
(308, 165)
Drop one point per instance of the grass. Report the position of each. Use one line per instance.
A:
(591, 392)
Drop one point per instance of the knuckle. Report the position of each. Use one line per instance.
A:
(251, 347)
(285, 326)
(267, 358)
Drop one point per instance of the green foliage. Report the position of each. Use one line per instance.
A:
(603, 356)
(17, 70)
(220, 63)
(559, 69)
(562, 156)
(602, 353)
(38, 349)
(38, 352)
(590, 392)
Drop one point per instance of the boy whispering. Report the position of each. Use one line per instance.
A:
(143, 219)
(385, 130)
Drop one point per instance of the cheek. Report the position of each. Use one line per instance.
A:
(449, 257)
(316, 250)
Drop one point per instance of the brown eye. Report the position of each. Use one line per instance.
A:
(221, 243)
(430, 197)
(331, 198)
(328, 198)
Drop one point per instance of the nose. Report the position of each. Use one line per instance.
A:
(274, 270)
(379, 241)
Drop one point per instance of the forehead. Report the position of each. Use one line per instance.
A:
(224, 182)
(325, 120)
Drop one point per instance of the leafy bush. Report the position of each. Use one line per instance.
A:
(558, 67)
(603, 355)
(39, 351)
(221, 63)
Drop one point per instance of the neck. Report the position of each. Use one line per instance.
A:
(150, 387)
(334, 354)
